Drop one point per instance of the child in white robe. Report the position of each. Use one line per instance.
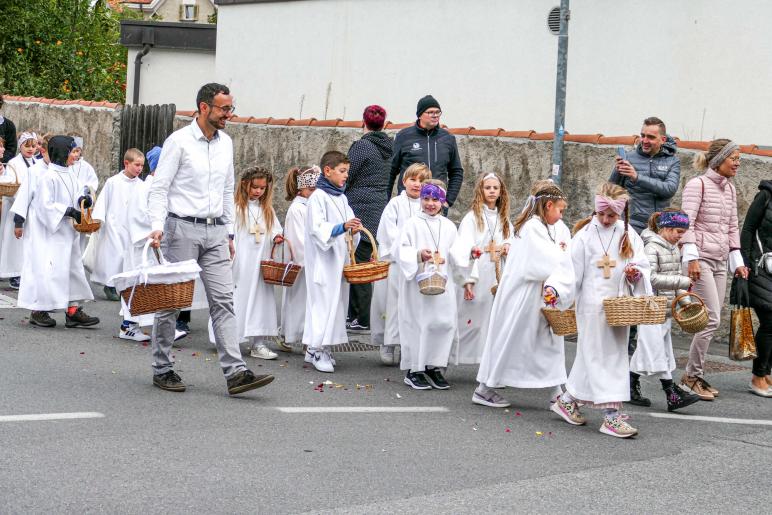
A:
(384, 319)
(654, 353)
(483, 238)
(326, 253)
(607, 257)
(427, 323)
(53, 277)
(257, 228)
(300, 184)
(18, 170)
(520, 349)
(85, 174)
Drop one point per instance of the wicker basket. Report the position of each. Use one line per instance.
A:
(364, 273)
(435, 283)
(277, 272)
(143, 299)
(87, 224)
(562, 323)
(692, 317)
(9, 189)
(629, 311)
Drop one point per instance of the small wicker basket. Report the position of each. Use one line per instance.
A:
(435, 283)
(87, 224)
(562, 323)
(143, 299)
(364, 273)
(629, 311)
(277, 272)
(692, 317)
(9, 189)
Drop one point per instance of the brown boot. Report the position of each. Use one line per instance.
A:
(694, 385)
(707, 386)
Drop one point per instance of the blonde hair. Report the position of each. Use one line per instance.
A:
(131, 154)
(701, 159)
(241, 197)
(613, 192)
(542, 192)
(502, 203)
(418, 171)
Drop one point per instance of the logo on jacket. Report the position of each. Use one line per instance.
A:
(416, 146)
(662, 168)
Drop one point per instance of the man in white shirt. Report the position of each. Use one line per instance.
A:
(191, 213)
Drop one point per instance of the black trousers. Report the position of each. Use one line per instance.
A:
(361, 294)
(762, 365)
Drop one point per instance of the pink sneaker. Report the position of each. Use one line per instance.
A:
(617, 427)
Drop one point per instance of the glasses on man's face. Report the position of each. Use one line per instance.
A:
(225, 109)
(433, 114)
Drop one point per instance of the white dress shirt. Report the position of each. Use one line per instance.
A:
(194, 177)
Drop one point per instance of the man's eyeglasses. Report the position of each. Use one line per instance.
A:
(224, 109)
(433, 114)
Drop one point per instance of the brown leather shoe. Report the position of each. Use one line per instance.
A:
(694, 385)
(707, 386)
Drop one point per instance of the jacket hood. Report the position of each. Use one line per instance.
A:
(766, 185)
(668, 148)
(382, 142)
(650, 236)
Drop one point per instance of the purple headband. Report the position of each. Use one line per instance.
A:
(675, 219)
(434, 191)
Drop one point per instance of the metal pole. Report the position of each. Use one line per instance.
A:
(560, 94)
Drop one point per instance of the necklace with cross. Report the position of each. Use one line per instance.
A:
(606, 263)
(257, 228)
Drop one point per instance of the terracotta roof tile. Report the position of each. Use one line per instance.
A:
(280, 121)
(762, 152)
(617, 140)
(240, 119)
(397, 126)
(186, 113)
(354, 124)
(517, 134)
(542, 136)
(486, 132)
(693, 145)
(461, 131)
(326, 123)
(261, 121)
(748, 149)
(305, 122)
(584, 138)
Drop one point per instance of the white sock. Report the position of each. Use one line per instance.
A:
(611, 413)
(555, 392)
(567, 397)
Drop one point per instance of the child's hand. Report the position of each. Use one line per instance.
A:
(426, 255)
(632, 274)
(18, 232)
(476, 252)
(550, 296)
(469, 291)
(505, 249)
(354, 225)
(278, 239)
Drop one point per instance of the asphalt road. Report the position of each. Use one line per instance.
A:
(205, 452)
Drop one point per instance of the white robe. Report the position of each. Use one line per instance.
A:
(520, 350)
(53, 275)
(253, 299)
(87, 176)
(473, 315)
(427, 323)
(654, 352)
(293, 306)
(113, 208)
(384, 320)
(11, 249)
(327, 301)
(600, 373)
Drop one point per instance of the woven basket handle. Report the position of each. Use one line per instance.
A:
(350, 241)
(676, 310)
(289, 245)
(15, 175)
(157, 251)
(86, 212)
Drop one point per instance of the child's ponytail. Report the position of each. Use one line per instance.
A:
(291, 183)
(625, 247)
(653, 219)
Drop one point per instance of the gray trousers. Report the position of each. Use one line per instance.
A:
(207, 244)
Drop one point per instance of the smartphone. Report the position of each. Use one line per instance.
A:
(621, 153)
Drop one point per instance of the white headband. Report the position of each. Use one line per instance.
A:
(307, 178)
(723, 154)
(26, 136)
(491, 176)
(78, 142)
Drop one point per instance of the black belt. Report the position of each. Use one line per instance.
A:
(193, 219)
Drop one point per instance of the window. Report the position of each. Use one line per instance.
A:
(188, 10)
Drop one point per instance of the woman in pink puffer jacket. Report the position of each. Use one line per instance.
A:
(713, 238)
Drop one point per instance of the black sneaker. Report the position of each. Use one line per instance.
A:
(355, 325)
(169, 381)
(436, 379)
(183, 327)
(14, 282)
(245, 380)
(417, 381)
(80, 319)
(111, 293)
(678, 398)
(636, 397)
(41, 319)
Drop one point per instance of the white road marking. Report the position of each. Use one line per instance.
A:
(723, 420)
(50, 416)
(7, 302)
(365, 409)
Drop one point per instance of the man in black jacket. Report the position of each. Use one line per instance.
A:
(426, 142)
(8, 133)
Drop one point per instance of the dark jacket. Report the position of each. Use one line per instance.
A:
(758, 219)
(436, 148)
(8, 133)
(658, 179)
(368, 177)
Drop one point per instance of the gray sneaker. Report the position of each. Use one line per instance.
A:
(490, 398)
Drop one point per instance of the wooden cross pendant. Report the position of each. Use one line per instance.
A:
(437, 259)
(494, 250)
(607, 264)
(258, 231)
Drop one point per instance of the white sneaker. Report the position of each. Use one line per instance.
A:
(133, 333)
(309, 357)
(323, 361)
(179, 335)
(262, 352)
(387, 354)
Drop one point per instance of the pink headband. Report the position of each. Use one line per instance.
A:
(603, 203)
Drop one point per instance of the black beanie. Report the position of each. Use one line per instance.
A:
(425, 103)
(59, 148)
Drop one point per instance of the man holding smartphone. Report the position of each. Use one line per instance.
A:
(651, 173)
